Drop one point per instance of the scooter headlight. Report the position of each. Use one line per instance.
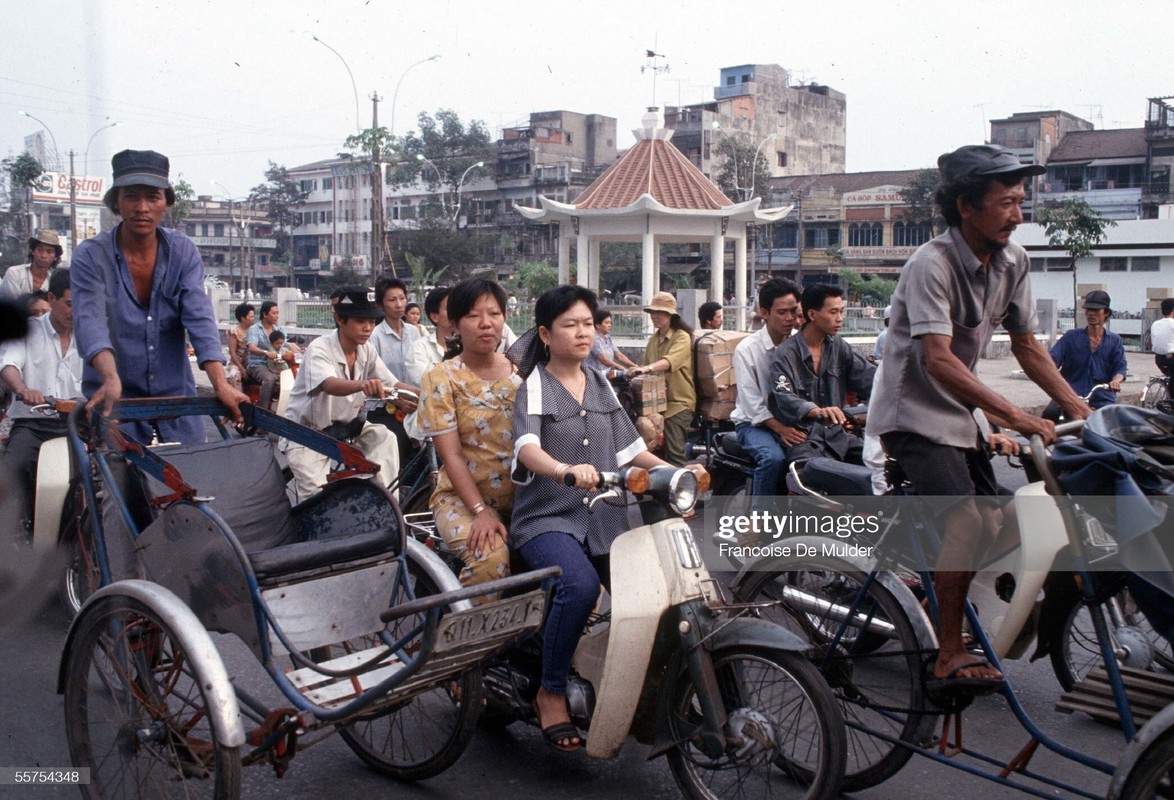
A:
(683, 491)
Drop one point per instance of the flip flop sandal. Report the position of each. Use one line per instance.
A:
(559, 732)
(970, 687)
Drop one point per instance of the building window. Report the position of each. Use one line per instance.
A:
(782, 158)
(1114, 264)
(309, 185)
(1144, 264)
(189, 229)
(218, 229)
(865, 234)
(1037, 264)
(782, 117)
(906, 234)
(729, 80)
(328, 183)
(786, 236)
(821, 237)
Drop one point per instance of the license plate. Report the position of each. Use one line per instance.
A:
(491, 621)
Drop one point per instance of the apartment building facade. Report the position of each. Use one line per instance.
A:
(799, 129)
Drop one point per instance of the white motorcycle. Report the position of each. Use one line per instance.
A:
(729, 697)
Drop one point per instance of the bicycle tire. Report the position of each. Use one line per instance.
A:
(877, 688)
(135, 712)
(800, 750)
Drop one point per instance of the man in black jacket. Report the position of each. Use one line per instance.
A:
(812, 373)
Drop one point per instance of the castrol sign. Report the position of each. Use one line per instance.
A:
(53, 187)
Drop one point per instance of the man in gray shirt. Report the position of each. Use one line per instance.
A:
(952, 294)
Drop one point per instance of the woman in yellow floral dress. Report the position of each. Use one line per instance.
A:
(467, 409)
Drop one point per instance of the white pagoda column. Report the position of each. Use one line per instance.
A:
(740, 278)
(564, 259)
(717, 268)
(582, 253)
(649, 268)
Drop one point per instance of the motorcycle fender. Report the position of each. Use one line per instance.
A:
(642, 590)
(752, 632)
(1043, 536)
(745, 632)
(285, 382)
(197, 644)
(51, 490)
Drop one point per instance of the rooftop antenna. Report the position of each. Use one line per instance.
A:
(1097, 119)
(654, 65)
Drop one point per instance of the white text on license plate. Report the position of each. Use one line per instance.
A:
(490, 620)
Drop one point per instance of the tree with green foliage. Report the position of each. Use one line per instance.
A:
(745, 170)
(282, 195)
(442, 154)
(420, 274)
(919, 197)
(23, 171)
(184, 193)
(867, 288)
(532, 278)
(1075, 227)
(344, 275)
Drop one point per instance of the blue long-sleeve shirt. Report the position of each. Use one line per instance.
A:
(1084, 369)
(148, 341)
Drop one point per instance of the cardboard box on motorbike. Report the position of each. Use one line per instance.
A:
(713, 357)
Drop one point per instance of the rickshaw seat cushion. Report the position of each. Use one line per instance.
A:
(317, 553)
(345, 521)
(244, 480)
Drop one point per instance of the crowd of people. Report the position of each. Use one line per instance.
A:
(522, 427)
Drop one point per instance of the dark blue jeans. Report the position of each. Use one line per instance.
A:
(571, 603)
(768, 455)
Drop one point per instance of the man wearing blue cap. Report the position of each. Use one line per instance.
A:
(952, 294)
(137, 290)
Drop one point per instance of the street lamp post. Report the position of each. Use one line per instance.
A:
(86, 157)
(52, 138)
(354, 88)
(395, 94)
(232, 222)
(460, 186)
(423, 159)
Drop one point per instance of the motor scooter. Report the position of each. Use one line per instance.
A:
(727, 696)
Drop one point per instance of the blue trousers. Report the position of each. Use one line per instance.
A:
(768, 457)
(571, 603)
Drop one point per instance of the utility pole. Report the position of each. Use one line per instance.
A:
(377, 231)
(72, 207)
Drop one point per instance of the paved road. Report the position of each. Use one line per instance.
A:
(513, 763)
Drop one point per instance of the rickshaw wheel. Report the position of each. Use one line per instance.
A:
(135, 713)
(424, 736)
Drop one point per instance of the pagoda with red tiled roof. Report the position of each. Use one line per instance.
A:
(654, 195)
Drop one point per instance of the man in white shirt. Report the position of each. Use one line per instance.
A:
(1162, 338)
(759, 433)
(428, 351)
(338, 372)
(393, 339)
(44, 364)
(45, 253)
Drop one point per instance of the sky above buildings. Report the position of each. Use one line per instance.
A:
(224, 86)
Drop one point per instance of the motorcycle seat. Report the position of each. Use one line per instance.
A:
(728, 446)
(836, 478)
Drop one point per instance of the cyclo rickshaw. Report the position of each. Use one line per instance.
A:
(362, 629)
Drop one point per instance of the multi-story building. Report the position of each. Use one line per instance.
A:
(799, 129)
(857, 220)
(333, 225)
(1121, 173)
(1106, 168)
(235, 241)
